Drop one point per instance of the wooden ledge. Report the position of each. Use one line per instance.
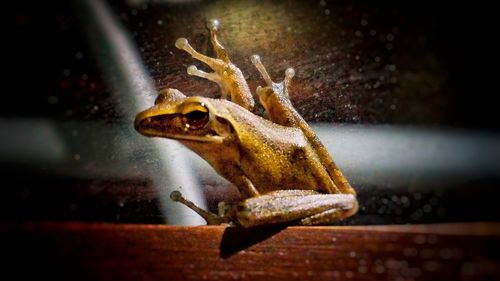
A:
(89, 251)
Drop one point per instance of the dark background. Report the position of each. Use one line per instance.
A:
(47, 56)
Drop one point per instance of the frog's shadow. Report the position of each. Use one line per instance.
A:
(235, 239)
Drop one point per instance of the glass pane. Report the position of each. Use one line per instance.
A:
(398, 92)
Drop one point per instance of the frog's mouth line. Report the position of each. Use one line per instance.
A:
(164, 126)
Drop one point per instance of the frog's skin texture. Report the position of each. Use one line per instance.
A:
(282, 171)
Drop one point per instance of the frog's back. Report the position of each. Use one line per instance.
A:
(272, 156)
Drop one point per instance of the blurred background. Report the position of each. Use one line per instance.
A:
(401, 93)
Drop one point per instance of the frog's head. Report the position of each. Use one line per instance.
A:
(179, 117)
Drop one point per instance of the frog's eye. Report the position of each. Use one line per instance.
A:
(195, 116)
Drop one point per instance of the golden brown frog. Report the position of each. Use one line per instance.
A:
(281, 169)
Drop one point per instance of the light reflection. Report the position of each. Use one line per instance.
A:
(134, 91)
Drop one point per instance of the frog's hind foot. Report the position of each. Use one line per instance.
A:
(329, 216)
(211, 218)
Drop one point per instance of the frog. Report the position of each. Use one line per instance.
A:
(283, 173)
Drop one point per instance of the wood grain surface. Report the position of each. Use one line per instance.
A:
(98, 251)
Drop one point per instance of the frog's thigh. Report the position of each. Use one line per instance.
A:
(290, 205)
(329, 216)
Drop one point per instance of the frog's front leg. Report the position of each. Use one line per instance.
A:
(279, 109)
(229, 77)
(307, 207)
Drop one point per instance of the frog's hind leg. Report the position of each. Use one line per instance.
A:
(211, 218)
(305, 206)
(328, 216)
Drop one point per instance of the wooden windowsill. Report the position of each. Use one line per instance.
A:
(90, 251)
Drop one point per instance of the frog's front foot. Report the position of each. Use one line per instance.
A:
(280, 88)
(229, 77)
(211, 218)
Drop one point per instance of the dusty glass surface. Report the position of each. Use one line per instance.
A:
(399, 93)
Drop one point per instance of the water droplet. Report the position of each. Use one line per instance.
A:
(410, 252)
(52, 100)
(213, 24)
(420, 239)
(379, 269)
(391, 67)
(427, 208)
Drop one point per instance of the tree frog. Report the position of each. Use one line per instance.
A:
(283, 172)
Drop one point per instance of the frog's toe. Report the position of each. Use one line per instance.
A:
(181, 43)
(213, 24)
(262, 69)
(289, 73)
(213, 76)
(280, 88)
